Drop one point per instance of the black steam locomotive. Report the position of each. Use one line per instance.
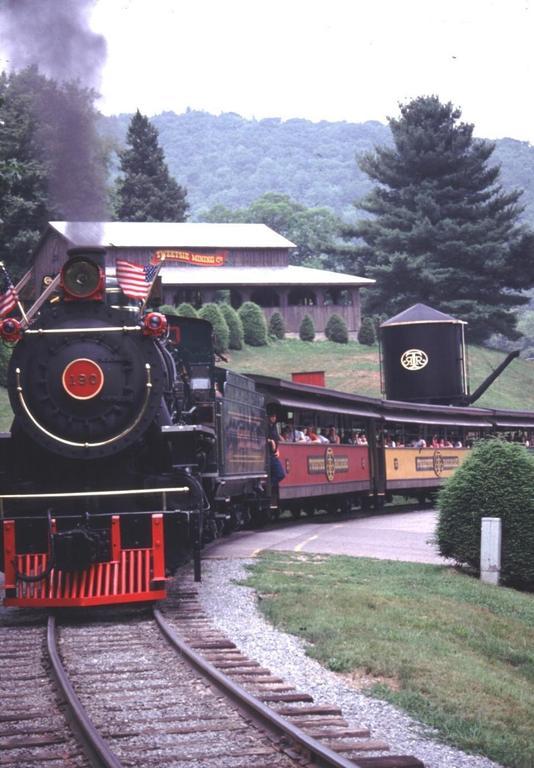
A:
(124, 452)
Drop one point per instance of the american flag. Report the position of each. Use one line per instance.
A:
(8, 294)
(135, 280)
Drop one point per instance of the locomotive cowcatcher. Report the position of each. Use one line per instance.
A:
(120, 459)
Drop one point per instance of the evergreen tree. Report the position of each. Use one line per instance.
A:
(307, 329)
(235, 326)
(186, 310)
(254, 324)
(442, 230)
(336, 329)
(146, 191)
(366, 334)
(277, 328)
(168, 309)
(23, 179)
(221, 334)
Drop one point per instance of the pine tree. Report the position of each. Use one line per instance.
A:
(221, 334)
(235, 326)
(186, 310)
(366, 334)
(336, 329)
(442, 230)
(277, 328)
(254, 324)
(146, 191)
(307, 329)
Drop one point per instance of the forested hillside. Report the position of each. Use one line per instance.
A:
(232, 161)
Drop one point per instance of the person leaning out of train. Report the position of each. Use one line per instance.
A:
(332, 435)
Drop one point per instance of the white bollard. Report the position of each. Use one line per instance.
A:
(490, 550)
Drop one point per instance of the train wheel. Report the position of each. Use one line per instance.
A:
(295, 512)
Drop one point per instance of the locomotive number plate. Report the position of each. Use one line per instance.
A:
(83, 379)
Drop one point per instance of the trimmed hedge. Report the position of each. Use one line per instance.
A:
(495, 480)
(186, 310)
(254, 325)
(307, 329)
(235, 326)
(336, 329)
(168, 309)
(277, 328)
(221, 334)
(366, 334)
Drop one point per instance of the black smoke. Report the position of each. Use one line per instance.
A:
(50, 45)
(54, 35)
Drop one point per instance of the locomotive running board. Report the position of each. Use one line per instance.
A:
(132, 575)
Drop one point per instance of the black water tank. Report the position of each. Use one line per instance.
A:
(423, 357)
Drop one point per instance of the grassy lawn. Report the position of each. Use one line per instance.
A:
(5, 411)
(355, 368)
(456, 654)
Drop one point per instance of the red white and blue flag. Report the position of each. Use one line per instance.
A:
(135, 280)
(8, 294)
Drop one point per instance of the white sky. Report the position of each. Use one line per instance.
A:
(348, 60)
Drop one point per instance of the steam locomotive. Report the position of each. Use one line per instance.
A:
(130, 448)
(120, 458)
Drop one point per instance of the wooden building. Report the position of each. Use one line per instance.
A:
(250, 261)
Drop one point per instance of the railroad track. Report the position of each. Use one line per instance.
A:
(170, 690)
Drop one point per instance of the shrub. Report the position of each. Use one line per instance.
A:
(254, 325)
(277, 328)
(168, 309)
(235, 326)
(495, 480)
(307, 329)
(336, 329)
(221, 334)
(186, 310)
(366, 334)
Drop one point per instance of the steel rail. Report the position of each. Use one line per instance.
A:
(97, 749)
(319, 753)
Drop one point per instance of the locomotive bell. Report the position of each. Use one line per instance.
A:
(423, 357)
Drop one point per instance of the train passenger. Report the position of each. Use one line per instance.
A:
(332, 435)
(311, 434)
(295, 435)
(361, 438)
(286, 436)
(322, 437)
(346, 438)
(419, 443)
(273, 439)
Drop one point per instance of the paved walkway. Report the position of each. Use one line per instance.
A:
(404, 536)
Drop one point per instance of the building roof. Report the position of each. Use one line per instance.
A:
(226, 276)
(420, 313)
(154, 234)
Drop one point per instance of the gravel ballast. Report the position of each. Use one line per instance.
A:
(234, 610)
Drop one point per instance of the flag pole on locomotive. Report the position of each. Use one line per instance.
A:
(10, 327)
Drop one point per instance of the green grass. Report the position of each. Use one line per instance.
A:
(6, 413)
(355, 368)
(456, 654)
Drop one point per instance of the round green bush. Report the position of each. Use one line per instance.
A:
(235, 326)
(336, 329)
(186, 310)
(221, 334)
(277, 328)
(254, 325)
(366, 334)
(307, 329)
(168, 309)
(495, 480)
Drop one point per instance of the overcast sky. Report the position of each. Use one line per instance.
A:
(348, 60)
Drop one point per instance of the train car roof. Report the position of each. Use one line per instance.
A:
(292, 394)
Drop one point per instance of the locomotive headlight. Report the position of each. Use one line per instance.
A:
(81, 278)
(154, 324)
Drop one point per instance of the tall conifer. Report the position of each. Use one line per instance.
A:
(442, 231)
(146, 191)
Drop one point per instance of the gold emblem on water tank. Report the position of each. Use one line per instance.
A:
(414, 359)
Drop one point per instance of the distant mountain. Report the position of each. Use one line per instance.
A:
(229, 160)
